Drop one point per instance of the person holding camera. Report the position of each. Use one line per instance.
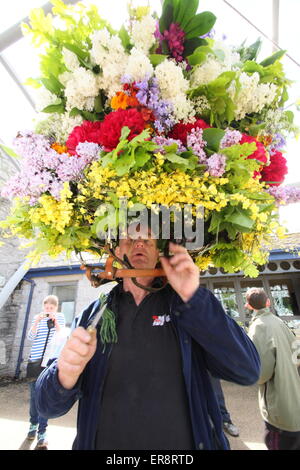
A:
(42, 330)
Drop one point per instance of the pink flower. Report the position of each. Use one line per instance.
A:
(175, 39)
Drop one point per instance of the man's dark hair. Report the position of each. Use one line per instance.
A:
(257, 298)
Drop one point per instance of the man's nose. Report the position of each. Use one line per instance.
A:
(139, 242)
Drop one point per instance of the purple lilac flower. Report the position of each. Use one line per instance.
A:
(196, 143)
(230, 138)
(126, 78)
(216, 164)
(149, 96)
(165, 141)
(43, 169)
(278, 143)
(88, 151)
(211, 34)
(285, 194)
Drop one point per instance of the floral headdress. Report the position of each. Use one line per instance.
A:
(161, 114)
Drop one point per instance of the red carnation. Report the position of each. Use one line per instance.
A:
(111, 127)
(260, 153)
(87, 132)
(180, 131)
(274, 173)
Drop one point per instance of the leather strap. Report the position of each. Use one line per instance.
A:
(111, 273)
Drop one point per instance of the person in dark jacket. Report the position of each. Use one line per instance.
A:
(150, 388)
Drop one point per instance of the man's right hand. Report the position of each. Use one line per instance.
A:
(77, 352)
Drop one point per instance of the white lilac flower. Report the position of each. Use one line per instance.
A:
(107, 48)
(183, 109)
(142, 34)
(206, 72)
(81, 89)
(70, 59)
(173, 87)
(170, 79)
(58, 126)
(252, 96)
(108, 52)
(201, 104)
(138, 66)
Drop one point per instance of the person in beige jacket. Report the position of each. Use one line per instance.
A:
(279, 381)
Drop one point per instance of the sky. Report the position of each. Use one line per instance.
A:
(17, 114)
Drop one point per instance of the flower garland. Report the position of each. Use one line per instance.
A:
(159, 113)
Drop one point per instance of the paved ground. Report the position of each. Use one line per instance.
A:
(14, 404)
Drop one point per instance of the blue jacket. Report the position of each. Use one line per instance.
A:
(209, 339)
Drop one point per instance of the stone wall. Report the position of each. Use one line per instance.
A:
(11, 257)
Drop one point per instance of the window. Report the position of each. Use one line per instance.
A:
(284, 297)
(66, 294)
(225, 293)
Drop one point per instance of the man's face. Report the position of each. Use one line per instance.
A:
(140, 249)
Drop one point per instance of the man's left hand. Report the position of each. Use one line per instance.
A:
(182, 273)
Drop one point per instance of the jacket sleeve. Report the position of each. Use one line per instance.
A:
(228, 352)
(265, 346)
(52, 399)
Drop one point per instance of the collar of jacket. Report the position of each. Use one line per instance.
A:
(262, 311)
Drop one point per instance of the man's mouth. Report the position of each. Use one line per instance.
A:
(139, 255)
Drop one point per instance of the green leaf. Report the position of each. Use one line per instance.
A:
(185, 12)
(289, 116)
(124, 162)
(167, 16)
(89, 116)
(199, 55)
(52, 84)
(141, 158)
(174, 158)
(74, 112)
(98, 106)
(273, 58)
(114, 198)
(125, 38)
(164, 47)
(213, 138)
(157, 59)
(10, 152)
(81, 54)
(124, 133)
(140, 138)
(240, 218)
(54, 108)
(191, 44)
(200, 24)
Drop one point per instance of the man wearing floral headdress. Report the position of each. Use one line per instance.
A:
(150, 389)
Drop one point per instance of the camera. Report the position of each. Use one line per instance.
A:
(50, 322)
